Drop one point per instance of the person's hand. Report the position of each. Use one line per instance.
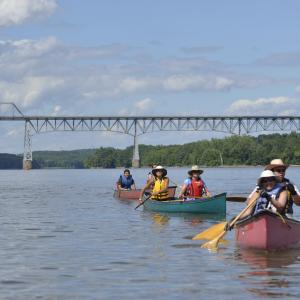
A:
(154, 194)
(228, 227)
(290, 187)
(140, 200)
(264, 194)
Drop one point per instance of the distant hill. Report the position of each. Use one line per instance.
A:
(10, 161)
(233, 150)
(74, 159)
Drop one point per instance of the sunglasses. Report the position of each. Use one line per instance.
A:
(279, 170)
(271, 179)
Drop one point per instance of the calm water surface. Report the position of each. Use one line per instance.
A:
(64, 236)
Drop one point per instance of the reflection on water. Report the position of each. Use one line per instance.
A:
(269, 274)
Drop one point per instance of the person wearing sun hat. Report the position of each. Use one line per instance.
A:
(279, 169)
(194, 187)
(159, 184)
(271, 194)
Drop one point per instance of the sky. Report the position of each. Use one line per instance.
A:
(145, 57)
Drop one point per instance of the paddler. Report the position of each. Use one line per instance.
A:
(271, 195)
(194, 187)
(159, 184)
(279, 168)
(125, 181)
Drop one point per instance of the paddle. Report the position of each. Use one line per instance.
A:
(218, 231)
(236, 198)
(142, 203)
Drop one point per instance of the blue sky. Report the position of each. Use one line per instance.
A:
(146, 57)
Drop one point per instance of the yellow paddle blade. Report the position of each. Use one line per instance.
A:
(213, 244)
(211, 233)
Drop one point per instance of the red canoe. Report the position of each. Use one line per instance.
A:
(267, 231)
(135, 194)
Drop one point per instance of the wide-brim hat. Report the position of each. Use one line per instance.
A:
(195, 169)
(159, 168)
(275, 163)
(265, 174)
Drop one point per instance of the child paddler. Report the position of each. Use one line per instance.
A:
(194, 187)
(125, 181)
(159, 184)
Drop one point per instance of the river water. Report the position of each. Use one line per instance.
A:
(64, 236)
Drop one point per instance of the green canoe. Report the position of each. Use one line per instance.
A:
(212, 205)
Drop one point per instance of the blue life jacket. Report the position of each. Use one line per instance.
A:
(262, 202)
(126, 182)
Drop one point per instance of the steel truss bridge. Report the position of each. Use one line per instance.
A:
(139, 125)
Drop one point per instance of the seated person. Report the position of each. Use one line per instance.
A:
(194, 186)
(279, 168)
(270, 195)
(159, 184)
(125, 181)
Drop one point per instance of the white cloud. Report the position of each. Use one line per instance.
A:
(196, 82)
(143, 104)
(265, 106)
(48, 73)
(298, 89)
(14, 12)
(29, 90)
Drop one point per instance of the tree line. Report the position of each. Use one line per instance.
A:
(233, 150)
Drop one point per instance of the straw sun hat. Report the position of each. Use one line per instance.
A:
(195, 169)
(275, 163)
(159, 168)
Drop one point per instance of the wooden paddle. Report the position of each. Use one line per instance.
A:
(142, 203)
(236, 198)
(218, 231)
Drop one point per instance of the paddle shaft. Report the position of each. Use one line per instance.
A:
(142, 203)
(250, 205)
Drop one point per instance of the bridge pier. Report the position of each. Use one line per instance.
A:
(27, 157)
(136, 154)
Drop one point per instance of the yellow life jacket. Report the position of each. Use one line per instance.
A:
(159, 185)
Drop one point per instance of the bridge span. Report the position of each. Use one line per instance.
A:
(138, 125)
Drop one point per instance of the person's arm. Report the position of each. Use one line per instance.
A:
(280, 203)
(251, 194)
(133, 187)
(148, 184)
(294, 192)
(206, 191)
(251, 199)
(118, 183)
(162, 190)
(183, 190)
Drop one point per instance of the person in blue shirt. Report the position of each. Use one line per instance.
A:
(125, 181)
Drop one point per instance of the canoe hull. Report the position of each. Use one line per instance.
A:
(213, 205)
(268, 232)
(135, 194)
